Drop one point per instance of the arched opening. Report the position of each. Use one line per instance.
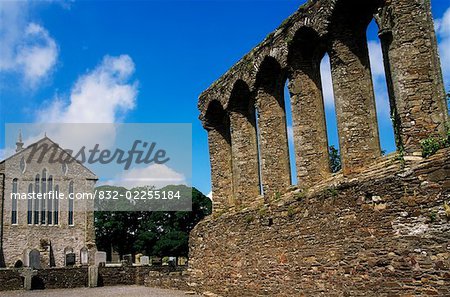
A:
(56, 206)
(244, 145)
(384, 95)
(217, 124)
(14, 201)
(370, 51)
(273, 139)
(353, 85)
(70, 217)
(43, 200)
(30, 206)
(308, 115)
(290, 133)
(330, 115)
(37, 181)
(50, 200)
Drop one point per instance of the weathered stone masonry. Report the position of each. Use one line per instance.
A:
(294, 52)
(385, 234)
(377, 228)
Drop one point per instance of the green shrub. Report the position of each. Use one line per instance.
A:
(430, 146)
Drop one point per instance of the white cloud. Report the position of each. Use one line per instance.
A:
(379, 80)
(209, 195)
(102, 95)
(290, 133)
(443, 34)
(38, 55)
(26, 48)
(327, 82)
(158, 175)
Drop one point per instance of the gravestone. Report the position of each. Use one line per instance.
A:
(84, 259)
(35, 259)
(27, 274)
(115, 257)
(156, 261)
(172, 261)
(137, 258)
(182, 261)
(100, 258)
(145, 260)
(70, 259)
(128, 259)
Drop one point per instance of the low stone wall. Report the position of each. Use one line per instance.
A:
(381, 236)
(10, 279)
(68, 277)
(168, 280)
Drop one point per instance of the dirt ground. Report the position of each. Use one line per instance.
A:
(116, 291)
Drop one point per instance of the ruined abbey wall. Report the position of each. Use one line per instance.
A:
(379, 227)
(244, 111)
(385, 234)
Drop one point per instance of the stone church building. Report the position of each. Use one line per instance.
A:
(49, 231)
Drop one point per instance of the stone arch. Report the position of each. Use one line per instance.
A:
(306, 50)
(352, 84)
(217, 125)
(415, 117)
(244, 143)
(273, 141)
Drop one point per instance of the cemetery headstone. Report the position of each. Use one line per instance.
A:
(100, 258)
(84, 256)
(145, 260)
(70, 259)
(35, 259)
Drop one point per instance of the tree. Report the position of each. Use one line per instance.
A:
(159, 233)
(335, 160)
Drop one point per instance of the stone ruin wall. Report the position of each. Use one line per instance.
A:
(375, 236)
(378, 227)
(244, 110)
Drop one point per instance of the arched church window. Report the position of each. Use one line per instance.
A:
(56, 206)
(70, 216)
(43, 192)
(22, 165)
(30, 205)
(14, 202)
(37, 181)
(50, 199)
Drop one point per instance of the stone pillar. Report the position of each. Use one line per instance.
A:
(274, 149)
(221, 166)
(410, 48)
(354, 98)
(309, 126)
(244, 150)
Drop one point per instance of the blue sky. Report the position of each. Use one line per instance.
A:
(147, 61)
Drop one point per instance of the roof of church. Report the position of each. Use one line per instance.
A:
(2, 163)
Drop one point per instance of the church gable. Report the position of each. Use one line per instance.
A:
(45, 153)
